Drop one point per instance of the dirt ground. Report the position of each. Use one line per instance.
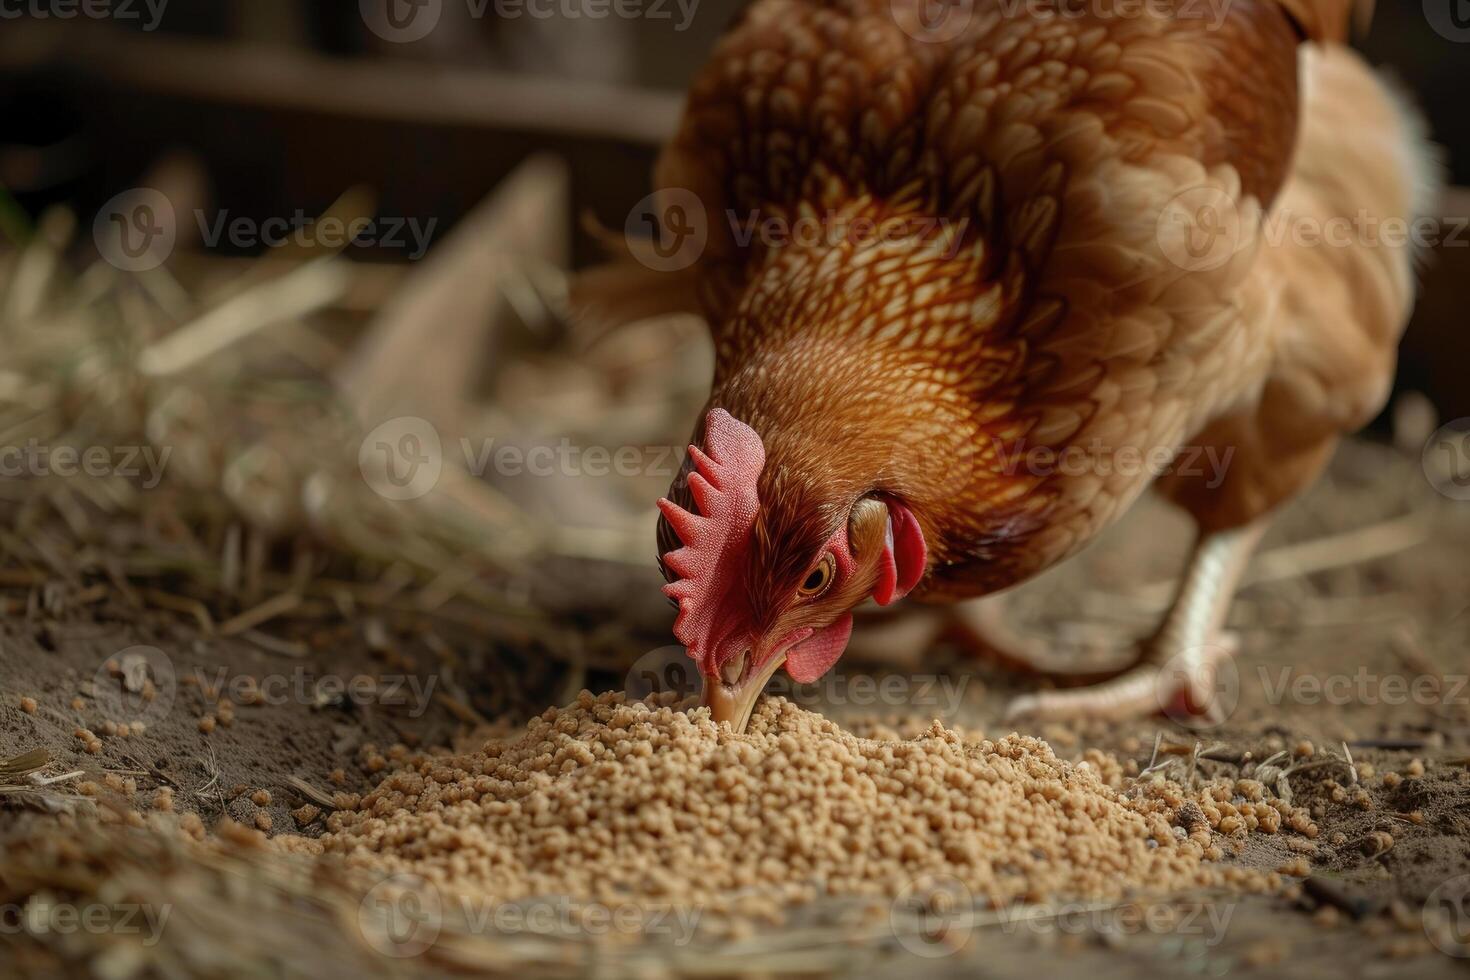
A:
(1354, 638)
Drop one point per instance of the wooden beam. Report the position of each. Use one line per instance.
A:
(382, 89)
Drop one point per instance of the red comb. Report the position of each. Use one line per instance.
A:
(723, 484)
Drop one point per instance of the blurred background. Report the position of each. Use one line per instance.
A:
(260, 108)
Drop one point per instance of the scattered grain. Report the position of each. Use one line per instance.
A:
(609, 799)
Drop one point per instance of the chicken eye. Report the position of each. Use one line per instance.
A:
(816, 583)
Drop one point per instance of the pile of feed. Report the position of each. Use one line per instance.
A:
(615, 800)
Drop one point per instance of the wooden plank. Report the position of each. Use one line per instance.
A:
(379, 89)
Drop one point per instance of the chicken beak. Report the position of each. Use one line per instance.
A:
(734, 702)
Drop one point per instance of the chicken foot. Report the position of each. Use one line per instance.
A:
(1178, 671)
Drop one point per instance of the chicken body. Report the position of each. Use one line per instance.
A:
(1004, 274)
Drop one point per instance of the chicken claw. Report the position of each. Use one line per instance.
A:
(1198, 687)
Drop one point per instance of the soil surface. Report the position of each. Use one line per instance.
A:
(1354, 638)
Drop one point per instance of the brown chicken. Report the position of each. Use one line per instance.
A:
(977, 280)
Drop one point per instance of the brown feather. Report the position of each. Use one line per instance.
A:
(1329, 20)
(1045, 171)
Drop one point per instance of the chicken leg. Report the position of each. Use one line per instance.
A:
(1179, 671)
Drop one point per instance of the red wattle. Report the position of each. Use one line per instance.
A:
(904, 557)
(814, 656)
